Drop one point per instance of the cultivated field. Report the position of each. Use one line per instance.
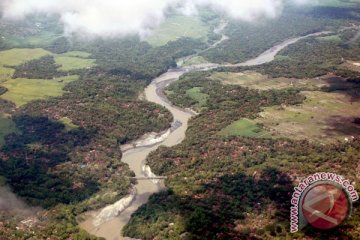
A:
(6, 73)
(69, 63)
(196, 94)
(18, 56)
(323, 117)
(256, 80)
(194, 61)
(245, 128)
(21, 90)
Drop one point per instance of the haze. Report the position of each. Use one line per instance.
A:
(121, 18)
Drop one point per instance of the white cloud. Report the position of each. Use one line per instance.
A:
(123, 17)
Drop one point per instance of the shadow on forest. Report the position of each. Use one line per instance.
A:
(28, 158)
(223, 202)
(343, 125)
(348, 87)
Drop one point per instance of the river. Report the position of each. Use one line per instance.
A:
(108, 222)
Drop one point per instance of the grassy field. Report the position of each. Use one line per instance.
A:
(42, 39)
(323, 117)
(194, 61)
(351, 65)
(331, 38)
(73, 63)
(69, 125)
(196, 94)
(176, 27)
(6, 73)
(22, 91)
(7, 126)
(245, 128)
(255, 80)
(77, 54)
(18, 56)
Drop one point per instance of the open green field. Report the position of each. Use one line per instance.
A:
(39, 40)
(7, 126)
(196, 94)
(69, 125)
(22, 91)
(322, 117)
(77, 54)
(6, 73)
(176, 27)
(68, 63)
(331, 38)
(256, 80)
(18, 56)
(194, 61)
(245, 128)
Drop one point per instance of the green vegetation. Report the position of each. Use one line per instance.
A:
(218, 178)
(36, 31)
(22, 91)
(43, 39)
(194, 61)
(68, 63)
(69, 125)
(176, 27)
(112, 55)
(218, 186)
(6, 73)
(77, 54)
(310, 58)
(196, 94)
(62, 152)
(323, 117)
(18, 56)
(331, 38)
(244, 127)
(7, 126)
(259, 81)
(248, 40)
(42, 68)
(242, 78)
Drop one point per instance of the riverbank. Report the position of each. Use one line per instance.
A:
(135, 156)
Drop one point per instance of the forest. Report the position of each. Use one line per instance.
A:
(248, 40)
(329, 54)
(65, 154)
(239, 187)
(233, 187)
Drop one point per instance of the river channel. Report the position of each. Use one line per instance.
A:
(109, 221)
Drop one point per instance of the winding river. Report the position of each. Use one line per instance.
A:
(109, 221)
